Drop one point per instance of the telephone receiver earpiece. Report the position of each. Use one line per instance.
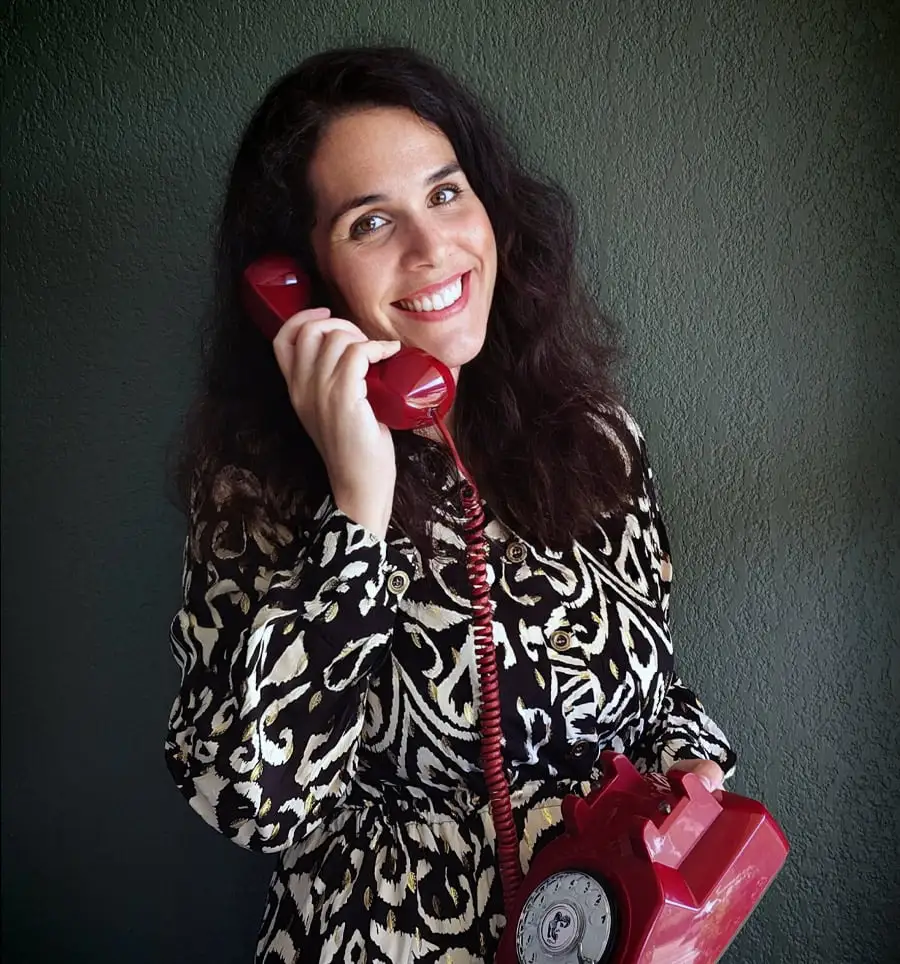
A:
(408, 390)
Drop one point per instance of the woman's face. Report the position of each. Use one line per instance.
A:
(399, 234)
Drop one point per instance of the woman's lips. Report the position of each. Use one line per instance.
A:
(441, 314)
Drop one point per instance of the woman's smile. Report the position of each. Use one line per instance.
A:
(437, 302)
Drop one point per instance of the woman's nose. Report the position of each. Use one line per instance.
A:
(424, 245)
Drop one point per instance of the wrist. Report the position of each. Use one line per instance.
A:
(371, 514)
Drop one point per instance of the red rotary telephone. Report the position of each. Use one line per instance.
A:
(649, 870)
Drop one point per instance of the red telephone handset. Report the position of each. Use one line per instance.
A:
(405, 391)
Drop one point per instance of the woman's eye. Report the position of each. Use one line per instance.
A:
(446, 194)
(367, 225)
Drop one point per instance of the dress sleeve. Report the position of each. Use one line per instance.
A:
(275, 660)
(680, 728)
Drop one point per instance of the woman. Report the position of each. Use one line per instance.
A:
(329, 708)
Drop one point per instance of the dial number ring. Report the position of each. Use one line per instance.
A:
(568, 919)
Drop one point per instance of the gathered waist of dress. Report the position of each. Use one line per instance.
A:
(406, 803)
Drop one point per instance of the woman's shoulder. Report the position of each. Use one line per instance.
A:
(235, 515)
(623, 429)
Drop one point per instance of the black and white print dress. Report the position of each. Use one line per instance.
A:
(328, 711)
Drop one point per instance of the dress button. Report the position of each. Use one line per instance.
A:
(578, 750)
(561, 640)
(397, 582)
(516, 552)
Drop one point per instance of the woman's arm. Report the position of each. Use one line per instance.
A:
(264, 733)
(680, 729)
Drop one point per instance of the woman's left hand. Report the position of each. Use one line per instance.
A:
(708, 771)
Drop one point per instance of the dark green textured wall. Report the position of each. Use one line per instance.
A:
(735, 166)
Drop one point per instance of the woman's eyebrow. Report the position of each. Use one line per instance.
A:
(364, 200)
(446, 171)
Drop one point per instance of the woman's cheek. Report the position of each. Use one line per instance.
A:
(361, 295)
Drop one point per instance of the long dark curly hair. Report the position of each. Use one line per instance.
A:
(536, 418)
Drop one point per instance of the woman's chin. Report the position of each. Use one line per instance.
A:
(455, 353)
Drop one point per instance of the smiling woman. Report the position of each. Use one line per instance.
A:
(329, 708)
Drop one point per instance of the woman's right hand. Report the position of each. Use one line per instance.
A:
(324, 361)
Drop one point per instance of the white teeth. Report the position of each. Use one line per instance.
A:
(443, 299)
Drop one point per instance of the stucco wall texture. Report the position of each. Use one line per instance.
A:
(735, 166)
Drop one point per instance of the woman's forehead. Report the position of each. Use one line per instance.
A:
(379, 151)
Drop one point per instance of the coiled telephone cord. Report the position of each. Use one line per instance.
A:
(486, 659)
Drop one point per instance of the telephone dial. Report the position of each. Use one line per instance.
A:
(649, 869)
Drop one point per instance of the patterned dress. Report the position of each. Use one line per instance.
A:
(328, 711)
